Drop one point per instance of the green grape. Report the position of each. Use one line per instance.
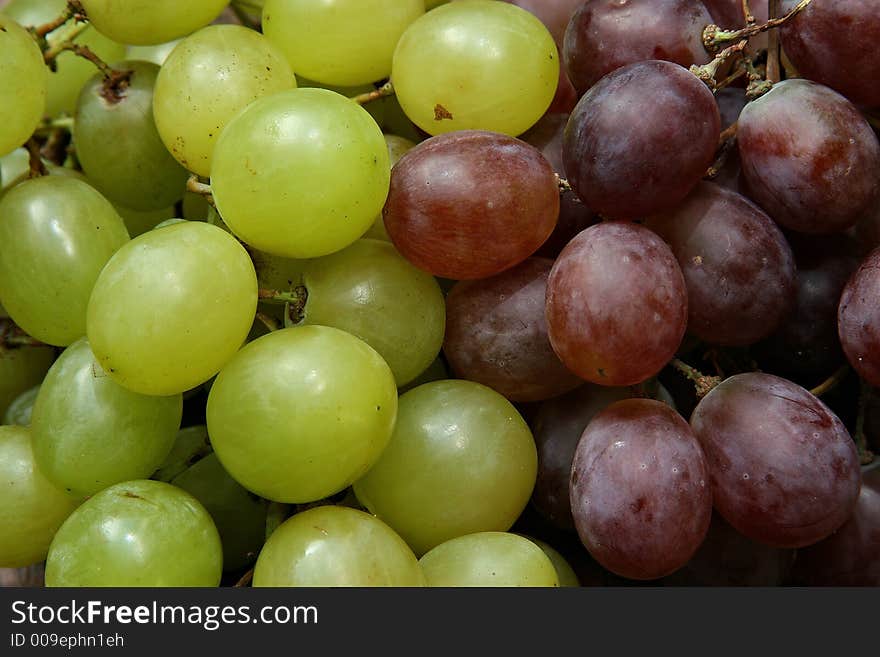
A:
(195, 207)
(374, 293)
(169, 222)
(72, 71)
(22, 407)
(277, 273)
(31, 507)
(240, 516)
(300, 174)
(21, 368)
(375, 108)
(13, 165)
(476, 64)
(66, 232)
(299, 414)
(23, 173)
(397, 148)
(436, 371)
(146, 177)
(139, 222)
(90, 433)
(3, 312)
(341, 42)
(150, 22)
(135, 534)
(488, 559)
(172, 307)
(157, 53)
(430, 4)
(190, 445)
(23, 85)
(397, 122)
(336, 546)
(208, 78)
(564, 571)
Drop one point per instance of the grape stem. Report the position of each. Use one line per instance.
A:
(714, 37)
(726, 142)
(747, 13)
(707, 72)
(35, 159)
(74, 10)
(774, 72)
(865, 455)
(562, 183)
(269, 322)
(245, 580)
(703, 383)
(386, 89)
(12, 336)
(295, 300)
(196, 186)
(115, 81)
(831, 382)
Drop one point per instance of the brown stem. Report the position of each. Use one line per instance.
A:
(35, 159)
(733, 77)
(115, 82)
(865, 455)
(56, 146)
(831, 382)
(747, 13)
(707, 72)
(726, 142)
(562, 183)
(713, 36)
(269, 322)
(703, 383)
(12, 336)
(246, 579)
(774, 71)
(386, 89)
(74, 9)
(194, 185)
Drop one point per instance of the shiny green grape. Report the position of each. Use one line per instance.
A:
(488, 559)
(172, 307)
(90, 433)
(564, 571)
(157, 53)
(21, 368)
(461, 460)
(139, 222)
(300, 174)
(23, 85)
(149, 22)
(397, 148)
(137, 533)
(21, 408)
(31, 507)
(72, 71)
(119, 148)
(476, 64)
(341, 42)
(375, 108)
(299, 414)
(336, 546)
(190, 445)
(208, 78)
(66, 232)
(371, 291)
(239, 515)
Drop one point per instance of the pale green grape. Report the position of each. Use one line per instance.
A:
(300, 174)
(139, 222)
(430, 4)
(157, 53)
(23, 85)
(488, 559)
(397, 148)
(172, 307)
(299, 414)
(22, 407)
(476, 64)
(336, 546)
(564, 571)
(277, 273)
(137, 533)
(375, 108)
(208, 78)
(397, 122)
(90, 433)
(342, 42)
(149, 22)
(240, 517)
(461, 460)
(13, 165)
(21, 368)
(72, 72)
(31, 507)
(169, 222)
(190, 445)
(66, 232)
(371, 291)
(23, 173)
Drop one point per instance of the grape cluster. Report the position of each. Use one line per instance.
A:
(418, 293)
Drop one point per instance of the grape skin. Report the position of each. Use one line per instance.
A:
(858, 319)
(150, 22)
(23, 85)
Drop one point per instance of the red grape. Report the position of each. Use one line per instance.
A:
(858, 319)
(555, 14)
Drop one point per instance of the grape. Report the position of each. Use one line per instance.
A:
(858, 319)
(397, 148)
(66, 232)
(479, 65)
(21, 368)
(739, 270)
(639, 489)
(488, 559)
(23, 85)
(341, 42)
(496, 334)
(21, 408)
(604, 35)
(564, 572)
(240, 517)
(833, 43)
(327, 155)
(189, 446)
(461, 460)
(555, 14)
(139, 222)
(436, 371)
(641, 139)
(616, 304)
(301, 413)
(171, 308)
(147, 178)
(809, 158)
(156, 53)
(453, 195)
(149, 22)
(336, 546)
(376, 109)
(72, 71)
(784, 470)
(90, 433)
(731, 102)
(136, 534)
(728, 14)
(369, 290)
(207, 79)
(32, 507)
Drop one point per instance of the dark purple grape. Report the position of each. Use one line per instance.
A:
(809, 158)
(728, 15)
(858, 319)
(867, 232)
(784, 470)
(604, 35)
(496, 334)
(616, 304)
(640, 493)
(471, 204)
(640, 140)
(835, 43)
(739, 270)
(555, 14)
(731, 102)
